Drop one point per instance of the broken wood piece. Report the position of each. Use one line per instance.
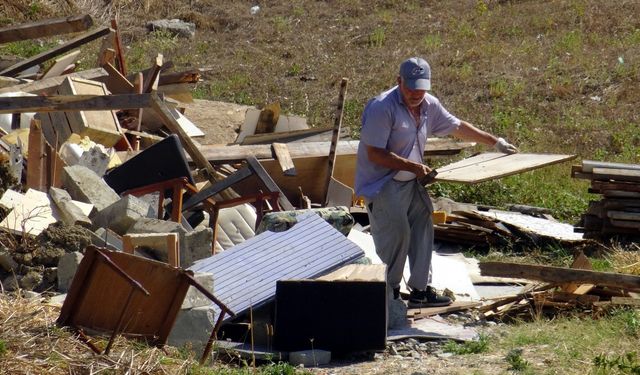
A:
(560, 275)
(73, 103)
(431, 311)
(580, 261)
(281, 152)
(45, 28)
(164, 245)
(150, 80)
(334, 139)
(70, 213)
(286, 136)
(122, 65)
(626, 301)
(116, 82)
(107, 53)
(630, 175)
(36, 159)
(188, 76)
(44, 56)
(266, 179)
(100, 126)
(61, 65)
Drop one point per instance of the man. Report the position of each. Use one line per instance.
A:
(395, 127)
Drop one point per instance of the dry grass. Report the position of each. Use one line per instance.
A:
(31, 343)
(626, 260)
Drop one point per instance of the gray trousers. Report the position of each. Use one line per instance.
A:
(401, 226)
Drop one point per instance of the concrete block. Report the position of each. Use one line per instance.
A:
(194, 297)
(67, 266)
(194, 245)
(86, 186)
(310, 358)
(96, 158)
(122, 214)
(103, 237)
(397, 313)
(192, 327)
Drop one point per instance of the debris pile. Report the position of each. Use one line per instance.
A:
(617, 213)
(106, 190)
(557, 290)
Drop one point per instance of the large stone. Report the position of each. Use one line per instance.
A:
(103, 237)
(194, 245)
(122, 214)
(86, 186)
(174, 26)
(7, 262)
(67, 267)
(192, 328)
(194, 297)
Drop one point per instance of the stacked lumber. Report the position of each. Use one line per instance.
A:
(617, 213)
(559, 290)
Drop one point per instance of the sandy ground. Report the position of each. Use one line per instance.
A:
(220, 121)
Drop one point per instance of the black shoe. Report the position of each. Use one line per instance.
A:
(427, 298)
(396, 292)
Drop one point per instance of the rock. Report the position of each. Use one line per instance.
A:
(397, 313)
(7, 262)
(174, 26)
(31, 280)
(10, 283)
(67, 267)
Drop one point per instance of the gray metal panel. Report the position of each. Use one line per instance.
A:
(245, 275)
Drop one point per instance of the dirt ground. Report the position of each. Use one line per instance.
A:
(219, 121)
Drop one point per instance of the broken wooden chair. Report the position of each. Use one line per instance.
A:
(130, 295)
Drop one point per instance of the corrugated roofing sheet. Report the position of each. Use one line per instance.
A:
(245, 275)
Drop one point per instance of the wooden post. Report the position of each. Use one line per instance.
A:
(36, 161)
(335, 137)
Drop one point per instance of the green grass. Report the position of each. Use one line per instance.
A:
(570, 345)
(468, 347)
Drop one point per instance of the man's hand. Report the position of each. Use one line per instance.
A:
(505, 147)
(421, 170)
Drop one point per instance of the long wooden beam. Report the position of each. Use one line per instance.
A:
(73, 103)
(231, 153)
(560, 275)
(44, 28)
(46, 55)
(48, 85)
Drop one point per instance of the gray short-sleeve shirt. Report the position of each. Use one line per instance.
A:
(387, 124)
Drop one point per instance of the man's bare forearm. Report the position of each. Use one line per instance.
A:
(388, 159)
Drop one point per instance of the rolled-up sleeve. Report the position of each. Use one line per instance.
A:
(441, 121)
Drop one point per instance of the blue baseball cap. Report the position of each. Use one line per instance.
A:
(416, 74)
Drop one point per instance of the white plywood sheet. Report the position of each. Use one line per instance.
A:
(285, 124)
(489, 166)
(539, 226)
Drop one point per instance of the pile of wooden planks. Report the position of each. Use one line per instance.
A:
(617, 213)
(470, 228)
(560, 290)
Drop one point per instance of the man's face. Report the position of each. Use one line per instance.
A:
(412, 98)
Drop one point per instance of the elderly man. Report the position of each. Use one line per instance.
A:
(390, 164)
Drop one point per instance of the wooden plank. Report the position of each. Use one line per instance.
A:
(284, 158)
(603, 186)
(289, 136)
(116, 82)
(626, 224)
(49, 85)
(151, 77)
(167, 243)
(45, 28)
(73, 103)
(61, 64)
(225, 154)
(580, 262)
(632, 175)
(36, 170)
(431, 311)
(488, 168)
(623, 215)
(44, 56)
(626, 301)
(334, 138)
(559, 274)
(589, 165)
